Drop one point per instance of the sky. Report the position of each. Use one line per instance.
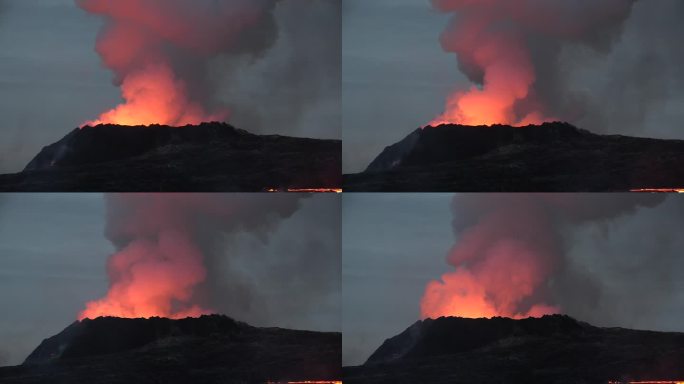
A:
(53, 254)
(394, 244)
(52, 80)
(396, 77)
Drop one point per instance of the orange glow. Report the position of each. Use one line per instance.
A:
(304, 382)
(495, 274)
(155, 96)
(659, 190)
(461, 294)
(152, 278)
(649, 382)
(508, 76)
(307, 190)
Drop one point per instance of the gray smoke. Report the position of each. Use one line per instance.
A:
(608, 66)
(285, 284)
(543, 228)
(296, 86)
(273, 65)
(636, 89)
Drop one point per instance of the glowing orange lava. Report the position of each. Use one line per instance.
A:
(496, 272)
(649, 382)
(152, 277)
(659, 190)
(304, 382)
(506, 73)
(307, 190)
(462, 294)
(155, 96)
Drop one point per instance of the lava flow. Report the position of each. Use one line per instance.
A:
(307, 190)
(304, 382)
(659, 190)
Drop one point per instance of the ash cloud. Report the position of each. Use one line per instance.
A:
(641, 95)
(610, 66)
(512, 49)
(296, 86)
(237, 60)
(186, 254)
(512, 256)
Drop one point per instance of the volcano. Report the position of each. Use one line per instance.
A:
(207, 157)
(551, 157)
(209, 349)
(551, 349)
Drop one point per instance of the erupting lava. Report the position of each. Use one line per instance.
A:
(162, 242)
(510, 252)
(155, 96)
(511, 47)
(507, 274)
(502, 267)
(149, 276)
(508, 77)
(161, 53)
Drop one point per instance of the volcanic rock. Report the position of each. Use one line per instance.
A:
(551, 349)
(549, 157)
(210, 349)
(208, 157)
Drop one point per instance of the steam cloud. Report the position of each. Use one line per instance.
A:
(511, 50)
(510, 259)
(164, 243)
(160, 52)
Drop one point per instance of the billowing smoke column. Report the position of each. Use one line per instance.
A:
(510, 49)
(163, 242)
(159, 51)
(510, 252)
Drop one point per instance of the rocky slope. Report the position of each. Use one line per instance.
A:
(550, 157)
(552, 349)
(210, 349)
(208, 157)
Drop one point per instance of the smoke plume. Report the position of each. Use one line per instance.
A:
(164, 243)
(510, 49)
(510, 259)
(160, 51)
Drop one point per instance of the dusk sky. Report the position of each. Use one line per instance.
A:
(53, 253)
(396, 77)
(52, 80)
(394, 244)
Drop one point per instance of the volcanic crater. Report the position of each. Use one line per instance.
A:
(207, 157)
(551, 349)
(208, 349)
(551, 157)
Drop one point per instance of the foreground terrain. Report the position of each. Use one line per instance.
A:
(208, 157)
(210, 349)
(552, 349)
(550, 157)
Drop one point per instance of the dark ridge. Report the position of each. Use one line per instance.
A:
(209, 349)
(551, 349)
(207, 157)
(548, 157)
(104, 143)
(107, 335)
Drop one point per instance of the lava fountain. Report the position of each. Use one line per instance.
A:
(161, 53)
(163, 241)
(510, 50)
(510, 255)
